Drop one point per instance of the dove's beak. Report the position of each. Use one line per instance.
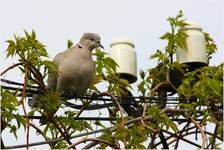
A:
(101, 46)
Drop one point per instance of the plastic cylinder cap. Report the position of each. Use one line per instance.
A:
(192, 25)
(122, 40)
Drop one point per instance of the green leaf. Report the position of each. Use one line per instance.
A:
(20, 120)
(210, 45)
(98, 123)
(61, 145)
(166, 36)
(69, 44)
(181, 39)
(13, 130)
(33, 35)
(141, 87)
(11, 48)
(26, 33)
(50, 66)
(142, 74)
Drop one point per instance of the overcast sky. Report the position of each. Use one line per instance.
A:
(142, 20)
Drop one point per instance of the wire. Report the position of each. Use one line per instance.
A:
(127, 100)
(90, 97)
(16, 83)
(75, 118)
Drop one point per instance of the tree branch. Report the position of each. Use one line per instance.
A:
(66, 136)
(55, 140)
(116, 101)
(204, 138)
(10, 67)
(23, 106)
(83, 140)
(113, 128)
(40, 131)
(186, 140)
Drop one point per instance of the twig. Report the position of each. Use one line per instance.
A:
(186, 140)
(38, 76)
(151, 144)
(143, 113)
(23, 106)
(204, 138)
(62, 133)
(113, 128)
(118, 104)
(186, 134)
(169, 82)
(83, 140)
(137, 120)
(56, 140)
(157, 86)
(40, 132)
(82, 109)
(77, 116)
(211, 134)
(10, 67)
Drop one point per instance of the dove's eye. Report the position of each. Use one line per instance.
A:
(92, 39)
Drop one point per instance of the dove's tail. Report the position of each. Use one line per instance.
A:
(32, 102)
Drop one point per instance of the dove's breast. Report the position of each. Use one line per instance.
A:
(75, 74)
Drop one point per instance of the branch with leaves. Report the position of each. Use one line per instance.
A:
(199, 97)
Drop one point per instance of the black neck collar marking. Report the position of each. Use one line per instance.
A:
(80, 46)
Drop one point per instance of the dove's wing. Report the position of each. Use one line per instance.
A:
(52, 78)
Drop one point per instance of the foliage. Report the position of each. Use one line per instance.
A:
(174, 39)
(144, 85)
(9, 107)
(31, 53)
(207, 84)
(106, 71)
(69, 44)
(201, 90)
(160, 119)
(205, 87)
(210, 45)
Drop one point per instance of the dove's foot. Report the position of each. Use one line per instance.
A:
(94, 95)
(69, 95)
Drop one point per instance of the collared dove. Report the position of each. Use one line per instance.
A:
(76, 68)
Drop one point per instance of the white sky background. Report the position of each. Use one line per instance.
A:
(142, 20)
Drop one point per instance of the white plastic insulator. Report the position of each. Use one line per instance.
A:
(196, 45)
(122, 50)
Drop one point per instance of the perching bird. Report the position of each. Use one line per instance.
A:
(75, 66)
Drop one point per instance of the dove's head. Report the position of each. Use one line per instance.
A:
(91, 40)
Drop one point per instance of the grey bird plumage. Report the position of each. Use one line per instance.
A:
(75, 66)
